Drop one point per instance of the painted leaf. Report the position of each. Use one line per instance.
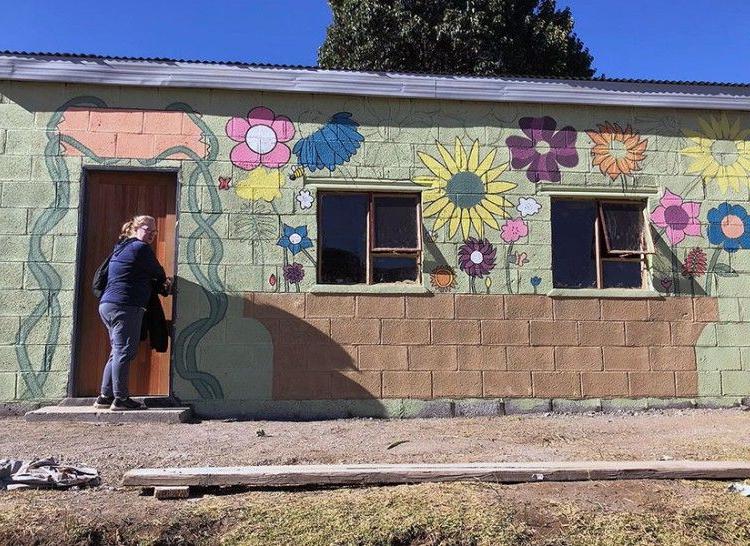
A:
(724, 270)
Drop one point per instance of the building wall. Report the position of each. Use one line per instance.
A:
(249, 330)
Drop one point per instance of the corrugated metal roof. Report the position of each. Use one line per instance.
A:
(415, 73)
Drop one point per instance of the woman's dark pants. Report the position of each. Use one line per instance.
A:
(123, 323)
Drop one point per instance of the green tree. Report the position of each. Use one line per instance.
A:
(480, 37)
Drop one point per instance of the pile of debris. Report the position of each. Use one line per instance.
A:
(44, 474)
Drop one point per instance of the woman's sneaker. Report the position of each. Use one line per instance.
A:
(104, 402)
(124, 404)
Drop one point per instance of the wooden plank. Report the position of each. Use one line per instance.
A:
(377, 474)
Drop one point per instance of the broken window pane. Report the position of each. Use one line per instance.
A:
(394, 269)
(395, 221)
(623, 226)
(573, 256)
(343, 238)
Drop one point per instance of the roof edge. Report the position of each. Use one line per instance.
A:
(168, 73)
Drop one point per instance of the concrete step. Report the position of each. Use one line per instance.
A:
(90, 414)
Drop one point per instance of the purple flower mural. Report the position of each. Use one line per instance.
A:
(544, 149)
(294, 273)
(476, 257)
(678, 217)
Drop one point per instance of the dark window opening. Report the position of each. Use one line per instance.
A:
(599, 244)
(368, 238)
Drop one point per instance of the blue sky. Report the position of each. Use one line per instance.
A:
(659, 39)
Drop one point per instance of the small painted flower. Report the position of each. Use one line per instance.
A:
(544, 149)
(294, 272)
(476, 257)
(225, 182)
(261, 136)
(443, 278)
(729, 226)
(678, 217)
(535, 281)
(617, 151)
(518, 258)
(528, 206)
(305, 199)
(513, 230)
(272, 280)
(260, 184)
(294, 239)
(695, 263)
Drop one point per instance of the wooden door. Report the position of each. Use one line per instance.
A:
(113, 197)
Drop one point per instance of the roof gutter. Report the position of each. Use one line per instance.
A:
(150, 73)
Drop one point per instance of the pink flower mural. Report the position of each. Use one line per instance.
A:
(261, 138)
(513, 230)
(678, 217)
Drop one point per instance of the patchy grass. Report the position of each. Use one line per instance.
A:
(427, 514)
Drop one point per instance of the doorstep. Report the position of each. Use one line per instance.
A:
(89, 414)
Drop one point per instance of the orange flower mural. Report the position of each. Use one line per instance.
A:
(617, 151)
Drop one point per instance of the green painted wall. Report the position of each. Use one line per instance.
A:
(243, 219)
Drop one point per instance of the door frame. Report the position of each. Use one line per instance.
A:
(78, 287)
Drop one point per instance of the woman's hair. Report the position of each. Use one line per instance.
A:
(131, 226)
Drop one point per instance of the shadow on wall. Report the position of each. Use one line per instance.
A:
(265, 360)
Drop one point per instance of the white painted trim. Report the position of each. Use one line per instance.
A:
(363, 184)
(154, 73)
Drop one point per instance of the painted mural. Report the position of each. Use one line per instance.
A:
(252, 212)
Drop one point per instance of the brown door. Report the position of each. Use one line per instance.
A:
(112, 197)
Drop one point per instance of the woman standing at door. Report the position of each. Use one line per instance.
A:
(133, 273)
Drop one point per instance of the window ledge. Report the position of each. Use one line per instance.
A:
(368, 289)
(621, 293)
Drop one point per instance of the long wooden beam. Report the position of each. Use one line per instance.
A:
(381, 474)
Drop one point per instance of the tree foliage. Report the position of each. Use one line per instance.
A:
(480, 37)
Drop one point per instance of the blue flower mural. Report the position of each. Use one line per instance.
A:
(729, 226)
(332, 145)
(294, 239)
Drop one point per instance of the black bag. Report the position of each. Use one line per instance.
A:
(100, 277)
(99, 283)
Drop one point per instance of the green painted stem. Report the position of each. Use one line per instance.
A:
(711, 276)
(508, 284)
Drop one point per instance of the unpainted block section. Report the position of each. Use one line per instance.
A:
(560, 405)
(578, 358)
(478, 407)
(455, 332)
(659, 384)
(434, 357)
(584, 309)
(457, 384)
(556, 384)
(530, 358)
(528, 307)
(380, 306)
(409, 384)
(604, 384)
(624, 309)
(507, 384)
(439, 306)
(671, 309)
(475, 306)
(482, 357)
(328, 306)
(553, 333)
(356, 385)
(505, 332)
(383, 357)
(406, 331)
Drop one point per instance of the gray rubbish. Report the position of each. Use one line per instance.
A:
(741, 488)
(44, 474)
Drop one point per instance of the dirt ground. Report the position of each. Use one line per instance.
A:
(113, 449)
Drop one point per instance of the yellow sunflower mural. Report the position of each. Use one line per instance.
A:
(464, 189)
(261, 183)
(719, 151)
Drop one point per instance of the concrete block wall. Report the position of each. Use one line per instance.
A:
(494, 335)
(473, 346)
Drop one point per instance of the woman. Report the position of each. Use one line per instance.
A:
(133, 273)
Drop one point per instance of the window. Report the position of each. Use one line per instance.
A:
(368, 238)
(600, 244)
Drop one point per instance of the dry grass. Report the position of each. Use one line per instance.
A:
(427, 514)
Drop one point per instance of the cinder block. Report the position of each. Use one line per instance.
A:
(709, 383)
(528, 306)
(434, 357)
(626, 358)
(456, 384)
(624, 309)
(670, 403)
(505, 332)
(514, 406)
(356, 331)
(406, 331)
(733, 335)
(410, 384)
(735, 383)
(472, 407)
(329, 306)
(380, 306)
(578, 358)
(553, 333)
(356, 385)
(706, 309)
(383, 357)
(671, 309)
(7, 386)
(476, 306)
(455, 332)
(561, 405)
(482, 357)
(411, 409)
(507, 384)
(718, 358)
(652, 384)
(601, 334)
(302, 385)
(647, 334)
(604, 384)
(585, 309)
(693, 333)
(556, 384)
(624, 404)
(274, 305)
(686, 383)
(531, 358)
(672, 358)
(439, 306)
(709, 402)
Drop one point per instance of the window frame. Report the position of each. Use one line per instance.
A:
(370, 250)
(602, 248)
